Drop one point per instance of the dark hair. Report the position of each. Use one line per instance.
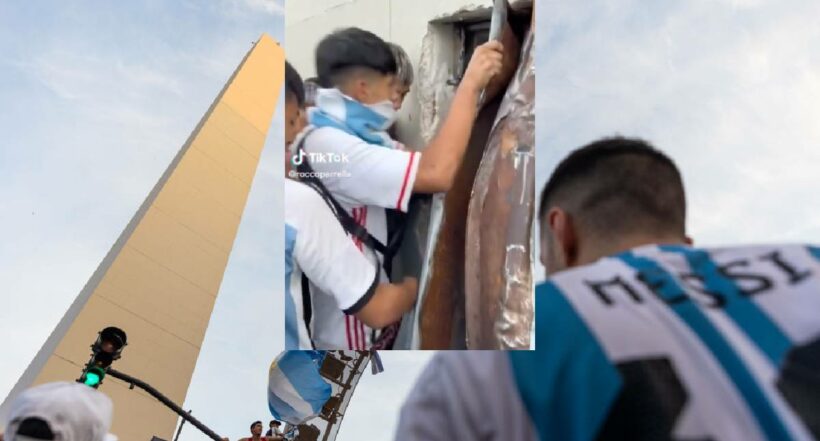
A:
(343, 51)
(404, 67)
(618, 185)
(255, 423)
(35, 428)
(294, 87)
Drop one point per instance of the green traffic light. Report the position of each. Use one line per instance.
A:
(93, 377)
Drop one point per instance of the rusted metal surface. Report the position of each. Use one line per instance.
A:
(498, 263)
(440, 242)
(442, 308)
(442, 323)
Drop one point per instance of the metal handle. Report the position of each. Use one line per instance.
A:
(499, 17)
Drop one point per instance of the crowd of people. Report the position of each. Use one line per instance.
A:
(274, 432)
(350, 182)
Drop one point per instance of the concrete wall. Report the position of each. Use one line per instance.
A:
(404, 22)
(160, 280)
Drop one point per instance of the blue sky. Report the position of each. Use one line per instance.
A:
(729, 89)
(97, 99)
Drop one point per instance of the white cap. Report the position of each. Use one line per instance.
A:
(73, 411)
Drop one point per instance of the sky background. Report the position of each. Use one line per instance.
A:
(729, 89)
(97, 98)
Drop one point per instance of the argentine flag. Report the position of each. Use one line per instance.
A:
(296, 390)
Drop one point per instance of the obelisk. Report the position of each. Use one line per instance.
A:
(160, 280)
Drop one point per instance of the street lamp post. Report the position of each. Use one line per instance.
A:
(136, 382)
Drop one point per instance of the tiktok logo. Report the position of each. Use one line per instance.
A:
(319, 157)
(298, 158)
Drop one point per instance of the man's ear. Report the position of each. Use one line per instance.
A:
(543, 224)
(302, 119)
(359, 90)
(566, 237)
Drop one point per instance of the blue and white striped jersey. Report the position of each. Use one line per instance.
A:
(674, 342)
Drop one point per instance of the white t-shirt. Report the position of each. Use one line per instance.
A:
(365, 179)
(344, 277)
(363, 175)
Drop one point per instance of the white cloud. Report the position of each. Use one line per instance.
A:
(266, 7)
(273, 7)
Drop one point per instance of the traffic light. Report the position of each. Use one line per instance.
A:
(104, 351)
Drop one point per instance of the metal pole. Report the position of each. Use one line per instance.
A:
(497, 21)
(132, 381)
(176, 438)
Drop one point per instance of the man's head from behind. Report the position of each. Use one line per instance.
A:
(294, 103)
(256, 428)
(358, 63)
(609, 196)
(60, 411)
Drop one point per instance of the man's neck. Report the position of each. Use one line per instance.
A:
(604, 248)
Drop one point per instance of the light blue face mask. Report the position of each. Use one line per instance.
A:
(384, 109)
(367, 121)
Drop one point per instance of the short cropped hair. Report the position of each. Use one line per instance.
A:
(255, 423)
(618, 186)
(404, 67)
(294, 87)
(344, 51)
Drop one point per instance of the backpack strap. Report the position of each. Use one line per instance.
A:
(307, 309)
(308, 176)
(396, 226)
